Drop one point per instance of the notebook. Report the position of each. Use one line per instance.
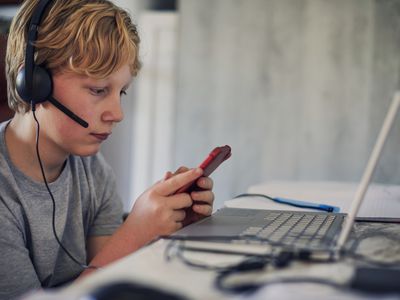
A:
(301, 230)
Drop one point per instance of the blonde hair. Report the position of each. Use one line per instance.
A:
(87, 37)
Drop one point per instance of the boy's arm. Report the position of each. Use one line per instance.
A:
(95, 244)
(156, 212)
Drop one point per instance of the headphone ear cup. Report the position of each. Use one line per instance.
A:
(42, 85)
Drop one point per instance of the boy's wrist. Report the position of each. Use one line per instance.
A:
(138, 232)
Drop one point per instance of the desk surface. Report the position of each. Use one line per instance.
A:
(149, 266)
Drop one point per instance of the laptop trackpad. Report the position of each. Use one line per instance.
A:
(216, 226)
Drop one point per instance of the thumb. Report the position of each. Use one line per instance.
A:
(174, 183)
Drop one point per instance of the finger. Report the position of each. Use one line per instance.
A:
(203, 196)
(181, 169)
(179, 215)
(202, 209)
(179, 201)
(172, 184)
(169, 174)
(205, 183)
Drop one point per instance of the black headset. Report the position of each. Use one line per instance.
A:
(34, 82)
(35, 85)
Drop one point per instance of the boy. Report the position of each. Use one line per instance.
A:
(90, 48)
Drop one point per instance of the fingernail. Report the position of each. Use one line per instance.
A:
(199, 171)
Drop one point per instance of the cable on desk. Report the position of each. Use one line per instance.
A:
(303, 254)
(278, 259)
(220, 283)
(179, 250)
(292, 202)
(250, 287)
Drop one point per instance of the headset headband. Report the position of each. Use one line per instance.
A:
(34, 23)
(31, 72)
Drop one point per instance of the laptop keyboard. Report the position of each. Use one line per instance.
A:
(293, 228)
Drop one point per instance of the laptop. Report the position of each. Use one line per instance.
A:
(295, 229)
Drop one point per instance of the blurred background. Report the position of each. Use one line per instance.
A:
(298, 89)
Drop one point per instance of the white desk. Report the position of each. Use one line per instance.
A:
(149, 266)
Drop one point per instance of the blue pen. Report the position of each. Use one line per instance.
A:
(296, 203)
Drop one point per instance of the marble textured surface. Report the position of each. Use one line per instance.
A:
(299, 89)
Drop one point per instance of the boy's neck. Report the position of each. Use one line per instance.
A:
(20, 140)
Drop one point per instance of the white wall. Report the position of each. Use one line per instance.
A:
(118, 149)
(298, 89)
(140, 148)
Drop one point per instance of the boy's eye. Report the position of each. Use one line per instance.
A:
(122, 93)
(97, 91)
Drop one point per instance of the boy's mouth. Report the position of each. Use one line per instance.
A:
(101, 136)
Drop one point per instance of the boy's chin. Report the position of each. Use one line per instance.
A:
(87, 151)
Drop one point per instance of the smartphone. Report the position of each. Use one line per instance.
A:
(213, 160)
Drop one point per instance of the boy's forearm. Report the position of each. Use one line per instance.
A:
(127, 239)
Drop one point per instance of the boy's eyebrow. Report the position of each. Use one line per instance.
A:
(104, 81)
(128, 85)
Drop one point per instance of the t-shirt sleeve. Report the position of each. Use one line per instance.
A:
(18, 275)
(109, 211)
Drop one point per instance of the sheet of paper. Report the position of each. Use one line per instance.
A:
(380, 200)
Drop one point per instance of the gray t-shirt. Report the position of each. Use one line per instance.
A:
(87, 205)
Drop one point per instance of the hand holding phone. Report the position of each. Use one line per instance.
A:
(213, 160)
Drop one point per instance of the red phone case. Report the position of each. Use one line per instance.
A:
(213, 160)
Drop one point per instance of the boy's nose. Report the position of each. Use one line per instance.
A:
(114, 112)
